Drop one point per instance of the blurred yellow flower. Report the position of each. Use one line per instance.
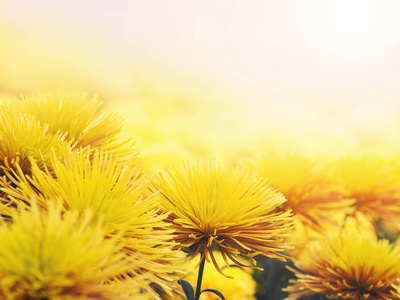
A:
(83, 120)
(308, 183)
(118, 195)
(372, 183)
(58, 256)
(303, 234)
(230, 209)
(348, 264)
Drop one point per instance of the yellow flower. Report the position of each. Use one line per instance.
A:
(372, 183)
(230, 209)
(82, 120)
(23, 138)
(303, 234)
(309, 185)
(55, 256)
(117, 193)
(350, 264)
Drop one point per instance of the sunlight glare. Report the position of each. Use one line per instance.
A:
(351, 19)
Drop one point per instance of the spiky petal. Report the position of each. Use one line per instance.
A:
(231, 209)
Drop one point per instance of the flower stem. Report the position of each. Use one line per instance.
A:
(199, 279)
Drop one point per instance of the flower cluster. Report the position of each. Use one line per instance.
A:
(82, 219)
(65, 151)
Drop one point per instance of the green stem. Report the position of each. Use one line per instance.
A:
(199, 279)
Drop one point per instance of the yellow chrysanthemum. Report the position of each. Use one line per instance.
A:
(230, 209)
(83, 120)
(58, 257)
(117, 194)
(351, 264)
(308, 184)
(304, 234)
(371, 181)
(22, 137)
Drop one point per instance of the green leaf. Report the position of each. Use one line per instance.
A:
(215, 292)
(187, 289)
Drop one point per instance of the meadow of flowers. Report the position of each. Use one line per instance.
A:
(95, 206)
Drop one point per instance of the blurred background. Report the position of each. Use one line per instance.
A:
(206, 77)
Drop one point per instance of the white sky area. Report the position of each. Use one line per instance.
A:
(333, 56)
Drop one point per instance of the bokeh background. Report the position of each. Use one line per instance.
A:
(201, 77)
